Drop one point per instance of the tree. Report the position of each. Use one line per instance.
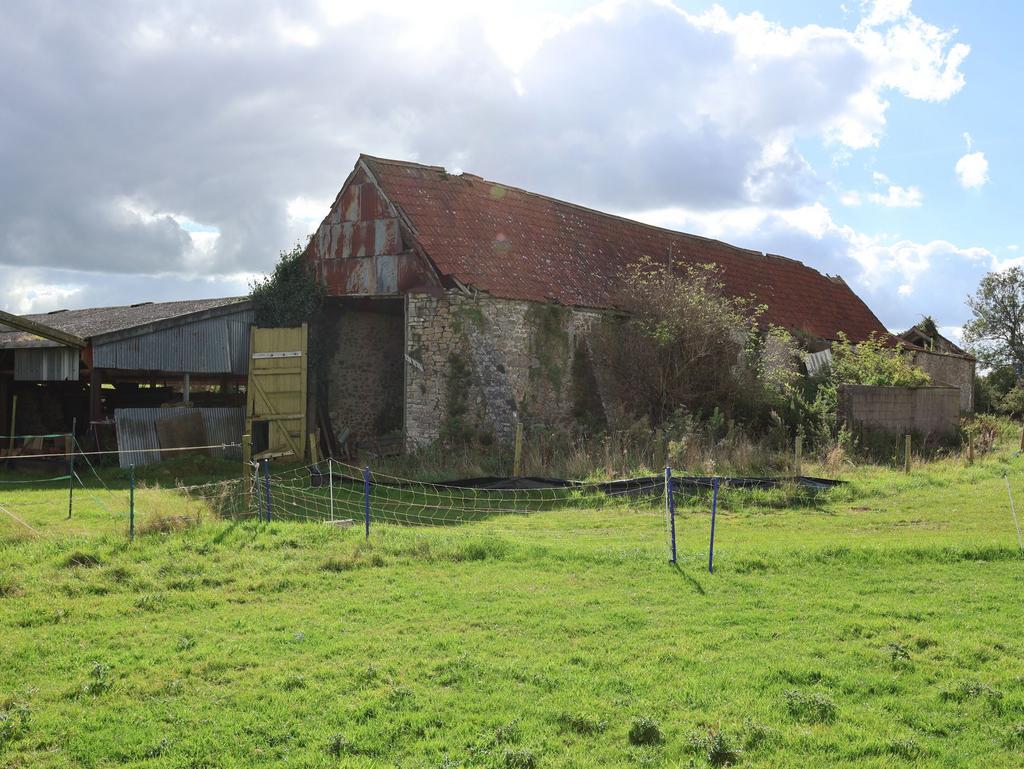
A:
(996, 332)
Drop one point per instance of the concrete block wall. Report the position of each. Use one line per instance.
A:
(951, 370)
(927, 410)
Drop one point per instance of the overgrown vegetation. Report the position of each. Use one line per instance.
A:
(290, 295)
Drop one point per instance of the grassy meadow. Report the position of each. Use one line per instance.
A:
(876, 625)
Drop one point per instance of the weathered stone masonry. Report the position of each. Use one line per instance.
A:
(518, 355)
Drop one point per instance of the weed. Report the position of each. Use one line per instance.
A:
(580, 724)
(970, 690)
(9, 587)
(810, 707)
(14, 720)
(645, 731)
(716, 747)
(907, 749)
(896, 652)
(521, 758)
(506, 734)
(185, 643)
(338, 745)
(99, 680)
(293, 682)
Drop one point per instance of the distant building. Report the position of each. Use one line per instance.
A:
(946, 363)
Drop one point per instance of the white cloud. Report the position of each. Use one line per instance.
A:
(972, 170)
(891, 195)
(630, 105)
(897, 197)
(900, 279)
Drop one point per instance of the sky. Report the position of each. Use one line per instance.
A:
(154, 151)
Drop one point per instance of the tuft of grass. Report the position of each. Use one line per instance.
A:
(99, 680)
(810, 707)
(580, 724)
(716, 747)
(9, 587)
(78, 558)
(520, 758)
(645, 731)
(971, 690)
(14, 721)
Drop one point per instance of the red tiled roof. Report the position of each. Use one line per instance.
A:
(521, 245)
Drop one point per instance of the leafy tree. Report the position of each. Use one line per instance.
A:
(996, 332)
(290, 295)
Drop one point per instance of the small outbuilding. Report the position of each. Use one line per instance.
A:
(137, 376)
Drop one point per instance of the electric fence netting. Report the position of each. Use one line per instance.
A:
(50, 485)
(346, 495)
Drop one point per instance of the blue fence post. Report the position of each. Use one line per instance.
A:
(366, 499)
(670, 513)
(131, 503)
(714, 510)
(266, 488)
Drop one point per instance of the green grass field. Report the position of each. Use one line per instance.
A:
(876, 626)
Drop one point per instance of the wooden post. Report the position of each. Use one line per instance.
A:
(798, 453)
(246, 470)
(312, 449)
(518, 459)
(906, 453)
(14, 424)
(1022, 438)
(69, 450)
(95, 395)
(970, 449)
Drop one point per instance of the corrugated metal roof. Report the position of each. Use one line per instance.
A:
(96, 321)
(520, 245)
(136, 432)
(212, 345)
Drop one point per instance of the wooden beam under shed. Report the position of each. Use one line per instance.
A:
(19, 323)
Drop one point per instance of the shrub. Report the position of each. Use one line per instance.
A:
(810, 707)
(645, 731)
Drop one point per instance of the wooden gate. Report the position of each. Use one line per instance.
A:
(275, 414)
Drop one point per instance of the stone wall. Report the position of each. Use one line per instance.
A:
(953, 370)
(364, 344)
(930, 411)
(498, 360)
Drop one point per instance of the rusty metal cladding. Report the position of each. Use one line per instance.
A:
(136, 432)
(217, 345)
(386, 275)
(46, 364)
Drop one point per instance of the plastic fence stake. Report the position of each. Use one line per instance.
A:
(670, 514)
(266, 487)
(1013, 512)
(714, 511)
(366, 499)
(131, 503)
(330, 483)
(70, 448)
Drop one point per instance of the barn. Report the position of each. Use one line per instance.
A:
(451, 297)
(145, 375)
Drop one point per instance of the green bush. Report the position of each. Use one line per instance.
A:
(645, 731)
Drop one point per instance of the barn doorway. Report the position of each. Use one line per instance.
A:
(365, 385)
